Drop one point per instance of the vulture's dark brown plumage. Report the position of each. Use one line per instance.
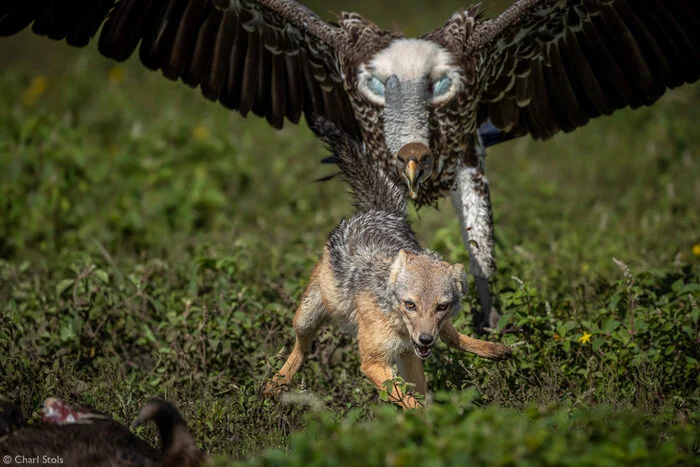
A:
(250, 57)
(540, 67)
(10, 417)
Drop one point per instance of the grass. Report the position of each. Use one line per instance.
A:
(152, 243)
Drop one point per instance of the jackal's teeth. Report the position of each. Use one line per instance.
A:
(423, 351)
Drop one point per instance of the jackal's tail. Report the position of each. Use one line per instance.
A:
(371, 187)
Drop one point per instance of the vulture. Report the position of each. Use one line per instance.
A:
(82, 437)
(540, 67)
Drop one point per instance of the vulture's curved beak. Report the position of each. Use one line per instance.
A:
(409, 175)
(417, 166)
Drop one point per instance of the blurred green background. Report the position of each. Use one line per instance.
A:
(154, 243)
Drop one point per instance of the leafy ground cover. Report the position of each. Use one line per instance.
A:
(152, 243)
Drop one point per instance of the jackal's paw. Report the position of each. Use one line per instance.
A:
(499, 351)
(272, 389)
(410, 402)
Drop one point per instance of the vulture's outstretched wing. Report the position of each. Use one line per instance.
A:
(275, 58)
(551, 65)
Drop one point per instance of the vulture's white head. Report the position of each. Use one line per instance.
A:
(409, 79)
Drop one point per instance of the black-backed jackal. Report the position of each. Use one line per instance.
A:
(375, 280)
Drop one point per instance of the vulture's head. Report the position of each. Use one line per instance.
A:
(179, 447)
(410, 79)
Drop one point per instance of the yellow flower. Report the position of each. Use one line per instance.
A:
(585, 338)
(35, 90)
(116, 74)
(200, 132)
(696, 249)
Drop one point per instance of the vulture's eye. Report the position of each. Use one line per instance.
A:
(376, 86)
(441, 86)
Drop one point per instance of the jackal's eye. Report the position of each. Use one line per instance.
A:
(443, 306)
(376, 86)
(409, 305)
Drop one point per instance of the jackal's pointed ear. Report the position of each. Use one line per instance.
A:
(460, 278)
(399, 264)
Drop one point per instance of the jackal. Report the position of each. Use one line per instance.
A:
(376, 281)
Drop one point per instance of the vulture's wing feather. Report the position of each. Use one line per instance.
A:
(274, 58)
(552, 65)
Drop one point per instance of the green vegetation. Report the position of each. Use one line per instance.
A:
(456, 432)
(152, 243)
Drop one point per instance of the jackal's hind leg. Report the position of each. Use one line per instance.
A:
(307, 320)
(411, 370)
(459, 341)
(472, 201)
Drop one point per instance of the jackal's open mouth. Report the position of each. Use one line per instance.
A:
(423, 351)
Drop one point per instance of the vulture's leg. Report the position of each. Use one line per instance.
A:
(472, 202)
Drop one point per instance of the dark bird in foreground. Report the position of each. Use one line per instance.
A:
(10, 417)
(541, 67)
(79, 437)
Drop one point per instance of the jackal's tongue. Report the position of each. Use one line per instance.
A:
(423, 351)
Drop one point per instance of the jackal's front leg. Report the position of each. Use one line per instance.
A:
(459, 341)
(412, 371)
(379, 371)
(472, 201)
(375, 336)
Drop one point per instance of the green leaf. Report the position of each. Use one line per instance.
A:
(67, 333)
(64, 285)
(610, 325)
(597, 343)
(148, 334)
(102, 275)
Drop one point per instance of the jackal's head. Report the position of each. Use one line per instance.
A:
(427, 291)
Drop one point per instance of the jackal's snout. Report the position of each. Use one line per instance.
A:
(426, 339)
(424, 346)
